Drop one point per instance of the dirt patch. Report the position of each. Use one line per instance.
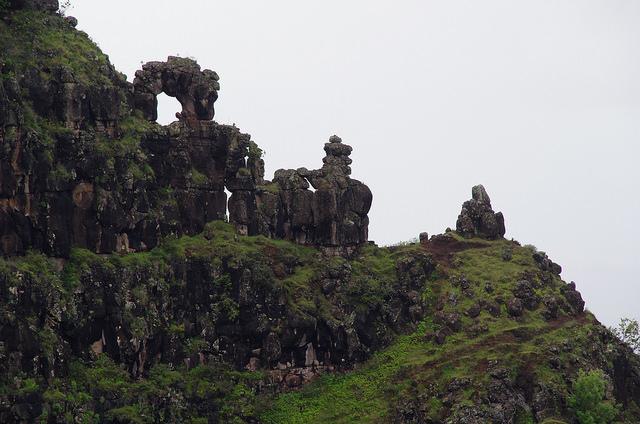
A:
(442, 247)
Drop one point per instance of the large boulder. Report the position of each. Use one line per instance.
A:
(477, 218)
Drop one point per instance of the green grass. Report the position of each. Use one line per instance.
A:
(37, 40)
(410, 368)
(413, 363)
(140, 400)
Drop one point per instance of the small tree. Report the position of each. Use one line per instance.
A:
(628, 331)
(587, 399)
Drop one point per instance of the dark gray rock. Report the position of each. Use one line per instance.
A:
(524, 291)
(71, 21)
(474, 311)
(573, 297)
(182, 78)
(477, 218)
(551, 307)
(333, 216)
(514, 307)
(546, 264)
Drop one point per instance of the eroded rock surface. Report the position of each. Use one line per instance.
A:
(477, 218)
(111, 180)
(333, 216)
(178, 77)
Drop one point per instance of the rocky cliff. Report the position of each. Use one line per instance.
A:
(85, 165)
(133, 291)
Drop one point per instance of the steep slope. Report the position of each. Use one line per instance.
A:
(126, 297)
(501, 342)
(190, 313)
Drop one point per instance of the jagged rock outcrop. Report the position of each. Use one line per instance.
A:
(477, 218)
(107, 180)
(333, 216)
(546, 264)
(178, 77)
(212, 303)
(212, 327)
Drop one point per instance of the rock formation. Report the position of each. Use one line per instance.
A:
(111, 182)
(333, 216)
(213, 327)
(477, 218)
(181, 78)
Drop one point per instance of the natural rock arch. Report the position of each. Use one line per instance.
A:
(182, 78)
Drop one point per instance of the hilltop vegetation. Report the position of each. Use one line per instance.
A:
(493, 367)
(469, 356)
(133, 291)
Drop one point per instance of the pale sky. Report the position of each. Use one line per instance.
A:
(538, 100)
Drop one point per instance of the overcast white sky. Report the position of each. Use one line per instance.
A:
(538, 100)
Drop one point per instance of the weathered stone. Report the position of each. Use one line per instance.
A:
(514, 307)
(474, 311)
(182, 78)
(334, 216)
(524, 291)
(573, 297)
(546, 264)
(71, 21)
(551, 307)
(477, 218)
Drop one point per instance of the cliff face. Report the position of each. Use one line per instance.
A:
(85, 165)
(125, 297)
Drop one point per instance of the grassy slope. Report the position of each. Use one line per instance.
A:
(38, 40)
(33, 40)
(75, 396)
(414, 362)
(136, 401)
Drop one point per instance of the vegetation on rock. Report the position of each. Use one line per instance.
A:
(125, 297)
(628, 330)
(588, 399)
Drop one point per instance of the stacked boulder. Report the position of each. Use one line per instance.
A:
(333, 216)
(477, 218)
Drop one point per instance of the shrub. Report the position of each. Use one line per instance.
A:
(587, 399)
(628, 331)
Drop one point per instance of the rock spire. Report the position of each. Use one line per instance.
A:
(477, 218)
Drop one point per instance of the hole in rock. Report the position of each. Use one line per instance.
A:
(167, 108)
(228, 197)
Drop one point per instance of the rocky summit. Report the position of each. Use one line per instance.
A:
(477, 219)
(132, 290)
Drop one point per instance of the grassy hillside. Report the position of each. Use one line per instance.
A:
(222, 328)
(416, 373)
